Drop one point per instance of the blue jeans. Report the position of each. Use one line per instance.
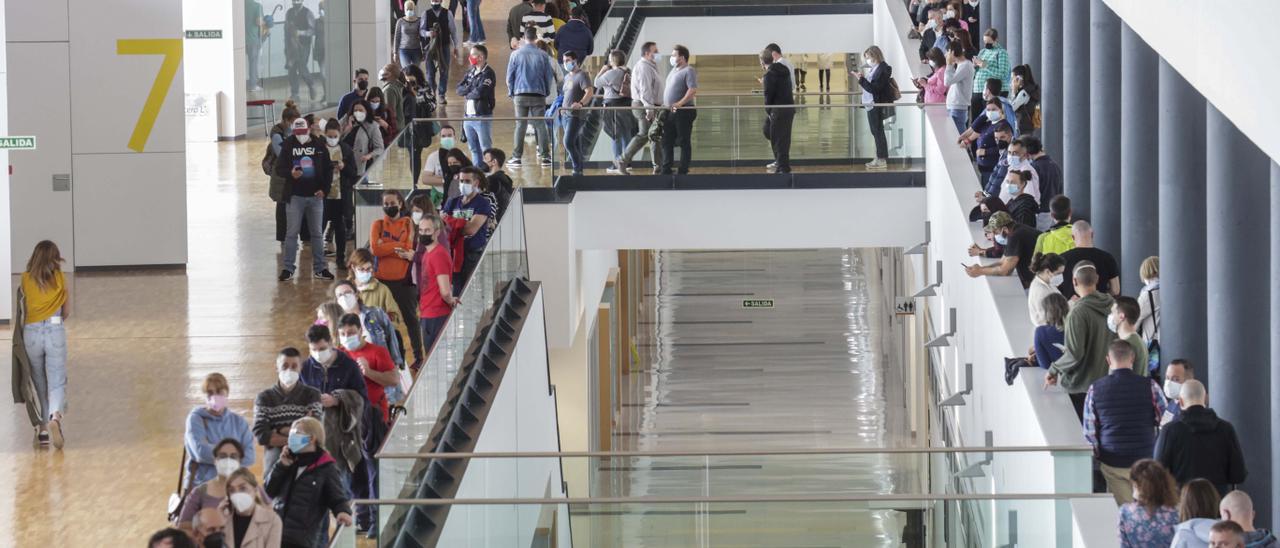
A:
(312, 208)
(960, 117)
(46, 344)
(620, 147)
(479, 132)
(573, 142)
(477, 27)
(410, 57)
(431, 329)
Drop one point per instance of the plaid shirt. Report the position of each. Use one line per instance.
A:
(1158, 402)
(995, 64)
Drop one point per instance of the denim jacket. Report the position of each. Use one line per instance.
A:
(529, 71)
(378, 325)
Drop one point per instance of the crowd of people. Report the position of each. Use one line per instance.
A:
(1159, 449)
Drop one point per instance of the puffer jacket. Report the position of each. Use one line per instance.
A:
(301, 500)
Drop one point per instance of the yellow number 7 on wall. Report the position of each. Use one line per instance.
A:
(171, 49)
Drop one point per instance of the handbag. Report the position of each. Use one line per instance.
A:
(1153, 347)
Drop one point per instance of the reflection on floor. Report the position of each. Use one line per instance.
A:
(716, 377)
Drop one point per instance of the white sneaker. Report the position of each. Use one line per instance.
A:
(878, 164)
(771, 165)
(612, 171)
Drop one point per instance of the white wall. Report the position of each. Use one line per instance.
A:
(522, 418)
(371, 37)
(6, 257)
(1229, 62)
(221, 61)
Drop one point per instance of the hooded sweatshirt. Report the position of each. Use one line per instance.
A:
(1200, 445)
(205, 430)
(1194, 533)
(1086, 334)
(1056, 240)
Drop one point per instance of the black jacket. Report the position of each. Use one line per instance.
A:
(478, 86)
(301, 500)
(1198, 444)
(879, 84)
(1023, 209)
(777, 87)
(313, 158)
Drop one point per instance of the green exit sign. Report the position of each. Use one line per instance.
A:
(204, 34)
(757, 303)
(17, 143)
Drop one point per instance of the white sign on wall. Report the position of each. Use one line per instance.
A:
(202, 117)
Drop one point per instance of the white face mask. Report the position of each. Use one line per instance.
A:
(288, 377)
(332, 141)
(1111, 324)
(1014, 159)
(465, 188)
(347, 301)
(322, 356)
(352, 342)
(417, 217)
(1055, 280)
(359, 114)
(951, 14)
(304, 138)
(242, 501)
(673, 60)
(931, 25)
(226, 466)
(995, 115)
(1172, 389)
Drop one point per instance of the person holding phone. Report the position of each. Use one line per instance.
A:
(306, 485)
(391, 241)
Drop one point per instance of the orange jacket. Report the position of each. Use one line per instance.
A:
(384, 237)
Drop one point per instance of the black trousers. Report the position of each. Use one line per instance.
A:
(406, 296)
(677, 130)
(336, 218)
(469, 262)
(777, 129)
(875, 118)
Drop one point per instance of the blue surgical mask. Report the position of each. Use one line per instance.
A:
(1011, 188)
(1014, 159)
(363, 277)
(298, 441)
(568, 66)
(994, 115)
(352, 342)
(447, 142)
(1000, 239)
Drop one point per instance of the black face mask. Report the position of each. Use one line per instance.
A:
(391, 211)
(214, 541)
(991, 45)
(1002, 144)
(362, 85)
(425, 239)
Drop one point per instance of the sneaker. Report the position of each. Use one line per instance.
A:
(55, 433)
(612, 171)
(771, 165)
(42, 437)
(771, 168)
(443, 101)
(878, 165)
(514, 162)
(544, 161)
(330, 253)
(619, 168)
(323, 275)
(285, 275)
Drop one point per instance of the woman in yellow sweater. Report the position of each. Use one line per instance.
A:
(45, 308)
(374, 293)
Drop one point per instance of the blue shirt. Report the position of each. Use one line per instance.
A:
(529, 72)
(1048, 344)
(345, 103)
(481, 204)
(986, 142)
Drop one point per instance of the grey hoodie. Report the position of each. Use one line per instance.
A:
(1084, 359)
(1194, 533)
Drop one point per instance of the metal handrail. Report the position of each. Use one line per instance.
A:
(694, 107)
(886, 497)
(748, 452)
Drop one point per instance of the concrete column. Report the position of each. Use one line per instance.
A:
(1139, 205)
(999, 17)
(1075, 106)
(1183, 327)
(1275, 336)
(1049, 74)
(1031, 33)
(1104, 125)
(984, 18)
(1238, 282)
(1012, 38)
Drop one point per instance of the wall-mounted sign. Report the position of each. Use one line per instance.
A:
(17, 143)
(757, 303)
(204, 34)
(904, 306)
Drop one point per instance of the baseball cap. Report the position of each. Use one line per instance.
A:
(999, 220)
(300, 126)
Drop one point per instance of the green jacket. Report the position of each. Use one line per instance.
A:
(395, 101)
(1055, 240)
(1086, 339)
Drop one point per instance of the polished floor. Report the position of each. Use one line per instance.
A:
(716, 377)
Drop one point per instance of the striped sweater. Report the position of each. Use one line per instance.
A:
(274, 408)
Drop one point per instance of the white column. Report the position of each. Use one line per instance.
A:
(221, 61)
(6, 258)
(370, 37)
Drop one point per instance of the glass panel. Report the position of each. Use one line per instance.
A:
(300, 53)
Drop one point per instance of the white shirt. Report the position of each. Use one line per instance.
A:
(1032, 188)
(1035, 299)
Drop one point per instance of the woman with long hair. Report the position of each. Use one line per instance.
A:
(1026, 98)
(1150, 520)
(250, 521)
(46, 304)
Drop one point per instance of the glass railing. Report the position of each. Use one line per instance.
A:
(1035, 519)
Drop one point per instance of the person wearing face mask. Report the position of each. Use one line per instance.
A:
(992, 91)
(360, 85)
(379, 329)
(679, 92)
(436, 300)
(361, 133)
(1004, 137)
(299, 31)
(930, 31)
(959, 80)
(306, 167)
(440, 39)
(477, 88)
(418, 103)
(405, 40)
(980, 138)
(1017, 240)
(210, 423)
(992, 62)
(1047, 271)
(1016, 159)
(500, 183)
(578, 93)
(473, 209)
(1121, 412)
(1084, 356)
(207, 526)
(876, 89)
(373, 294)
(1121, 322)
(1057, 238)
(286, 401)
(307, 486)
(329, 369)
(373, 360)
(575, 35)
(1021, 206)
(1176, 374)
(646, 96)
(1199, 444)
(391, 81)
(206, 496)
(341, 193)
(434, 173)
(391, 242)
(247, 512)
(933, 87)
(382, 115)
(618, 123)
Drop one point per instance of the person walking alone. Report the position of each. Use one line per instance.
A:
(40, 347)
(777, 122)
